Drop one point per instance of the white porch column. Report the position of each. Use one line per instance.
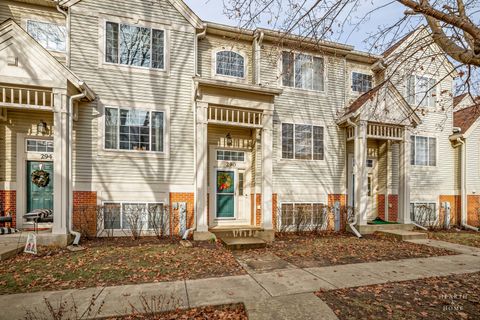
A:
(267, 170)
(404, 180)
(361, 173)
(61, 171)
(201, 166)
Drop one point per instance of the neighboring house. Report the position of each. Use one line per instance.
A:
(134, 103)
(466, 138)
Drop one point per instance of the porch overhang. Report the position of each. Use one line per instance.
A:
(383, 105)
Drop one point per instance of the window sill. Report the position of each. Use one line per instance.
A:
(134, 154)
(304, 91)
(121, 67)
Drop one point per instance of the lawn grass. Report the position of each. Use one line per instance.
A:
(333, 249)
(467, 238)
(451, 297)
(105, 263)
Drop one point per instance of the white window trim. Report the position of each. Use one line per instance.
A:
(428, 202)
(134, 153)
(353, 92)
(227, 77)
(238, 151)
(38, 139)
(291, 227)
(426, 167)
(121, 203)
(435, 90)
(133, 22)
(308, 124)
(309, 91)
(55, 22)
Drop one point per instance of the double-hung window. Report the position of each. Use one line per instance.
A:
(230, 63)
(303, 71)
(423, 151)
(421, 91)
(361, 82)
(51, 36)
(134, 46)
(124, 215)
(302, 141)
(133, 129)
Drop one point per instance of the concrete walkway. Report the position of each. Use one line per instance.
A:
(268, 293)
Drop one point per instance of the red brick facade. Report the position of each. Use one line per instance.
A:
(342, 199)
(189, 198)
(455, 212)
(473, 210)
(274, 210)
(393, 207)
(8, 199)
(85, 212)
(258, 208)
(381, 206)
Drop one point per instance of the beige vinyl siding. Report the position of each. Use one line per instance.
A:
(19, 122)
(124, 86)
(211, 43)
(436, 121)
(473, 162)
(21, 12)
(315, 108)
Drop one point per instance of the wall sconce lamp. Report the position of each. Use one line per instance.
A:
(229, 139)
(42, 127)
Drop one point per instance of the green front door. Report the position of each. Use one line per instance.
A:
(225, 189)
(39, 194)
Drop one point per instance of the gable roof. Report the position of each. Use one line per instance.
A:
(466, 118)
(11, 35)
(397, 44)
(458, 99)
(386, 95)
(180, 5)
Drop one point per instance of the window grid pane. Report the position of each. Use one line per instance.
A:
(135, 46)
(318, 148)
(287, 69)
(230, 155)
(111, 38)
(36, 145)
(158, 45)
(230, 63)
(49, 35)
(134, 130)
(361, 82)
(303, 142)
(157, 131)
(287, 141)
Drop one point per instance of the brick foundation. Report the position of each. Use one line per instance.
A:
(393, 207)
(456, 207)
(381, 206)
(258, 208)
(274, 210)
(85, 212)
(473, 210)
(342, 199)
(8, 201)
(189, 198)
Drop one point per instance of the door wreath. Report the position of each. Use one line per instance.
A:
(224, 181)
(40, 178)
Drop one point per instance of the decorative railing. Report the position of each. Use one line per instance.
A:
(238, 117)
(26, 98)
(384, 131)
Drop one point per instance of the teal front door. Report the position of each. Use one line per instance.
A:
(225, 190)
(39, 185)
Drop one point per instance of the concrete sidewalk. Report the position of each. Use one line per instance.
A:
(285, 293)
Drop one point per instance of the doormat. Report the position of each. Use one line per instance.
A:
(381, 221)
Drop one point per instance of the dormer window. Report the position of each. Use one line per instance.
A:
(230, 63)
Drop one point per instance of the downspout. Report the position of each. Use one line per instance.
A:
(258, 40)
(198, 36)
(67, 26)
(73, 98)
(354, 222)
(463, 185)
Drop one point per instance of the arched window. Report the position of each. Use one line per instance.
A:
(229, 63)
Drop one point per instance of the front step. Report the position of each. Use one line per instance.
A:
(372, 228)
(239, 243)
(236, 232)
(404, 234)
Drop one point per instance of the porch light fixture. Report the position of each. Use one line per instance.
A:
(42, 127)
(229, 139)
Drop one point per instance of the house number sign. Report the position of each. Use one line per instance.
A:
(46, 156)
(230, 165)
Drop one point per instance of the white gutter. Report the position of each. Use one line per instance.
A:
(198, 37)
(67, 26)
(258, 39)
(463, 185)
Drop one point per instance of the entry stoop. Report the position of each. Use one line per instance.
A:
(239, 243)
(404, 234)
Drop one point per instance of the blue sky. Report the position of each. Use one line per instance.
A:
(212, 10)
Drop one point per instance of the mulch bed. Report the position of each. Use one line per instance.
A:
(452, 297)
(464, 237)
(227, 312)
(317, 250)
(119, 261)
